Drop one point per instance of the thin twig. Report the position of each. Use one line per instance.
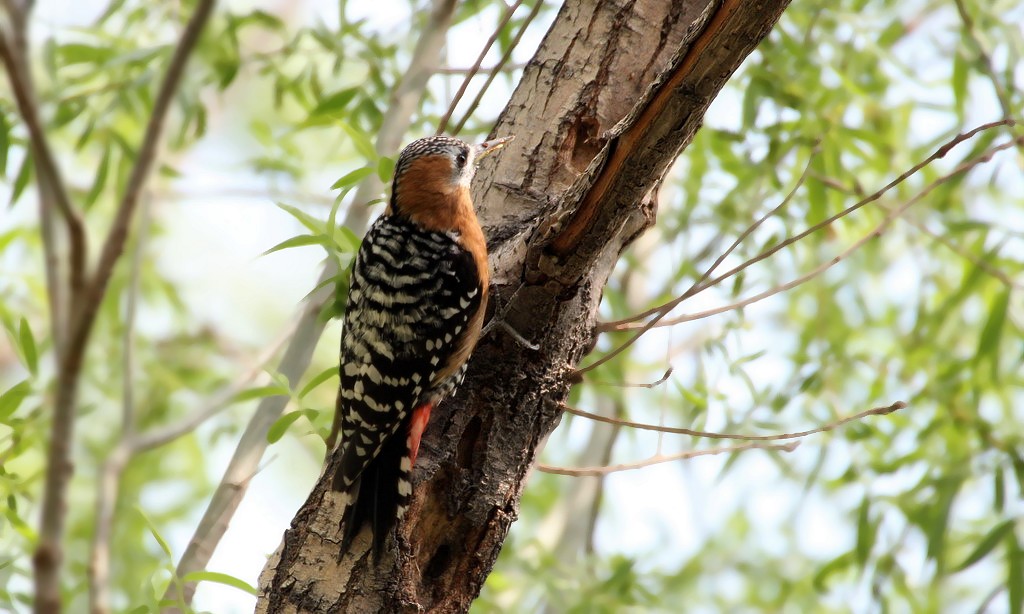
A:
(113, 246)
(402, 104)
(703, 284)
(981, 263)
(52, 188)
(476, 66)
(877, 411)
(697, 286)
(497, 68)
(131, 445)
(107, 486)
(665, 458)
(109, 483)
(661, 311)
(943, 240)
(875, 233)
(254, 376)
(661, 380)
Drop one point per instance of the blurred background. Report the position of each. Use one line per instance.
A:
(914, 511)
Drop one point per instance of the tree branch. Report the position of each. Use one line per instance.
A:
(250, 449)
(877, 411)
(108, 484)
(663, 310)
(606, 326)
(665, 458)
(52, 188)
(493, 73)
(403, 104)
(875, 233)
(476, 67)
(49, 554)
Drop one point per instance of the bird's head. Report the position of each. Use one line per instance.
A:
(436, 171)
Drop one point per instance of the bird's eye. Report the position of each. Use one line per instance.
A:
(460, 159)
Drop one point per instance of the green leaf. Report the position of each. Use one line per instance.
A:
(988, 344)
(333, 104)
(156, 534)
(80, 53)
(299, 241)
(280, 427)
(987, 543)
(834, 566)
(322, 377)
(22, 179)
(385, 168)
(311, 223)
(273, 390)
(5, 143)
(353, 178)
(1014, 573)
(12, 398)
(360, 140)
(958, 83)
(100, 180)
(346, 240)
(865, 532)
(28, 347)
(220, 578)
(999, 490)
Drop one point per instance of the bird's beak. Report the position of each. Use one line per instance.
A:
(488, 147)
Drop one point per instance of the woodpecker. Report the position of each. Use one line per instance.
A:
(416, 302)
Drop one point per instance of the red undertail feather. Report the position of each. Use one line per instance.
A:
(420, 416)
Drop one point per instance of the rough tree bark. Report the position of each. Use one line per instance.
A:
(615, 91)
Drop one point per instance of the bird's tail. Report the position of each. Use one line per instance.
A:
(378, 497)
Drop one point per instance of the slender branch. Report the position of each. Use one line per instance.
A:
(128, 337)
(875, 233)
(661, 380)
(665, 458)
(498, 67)
(113, 246)
(501, 66)
(131, 445)
(53, 190)
(53, 267)
(877, 411)
(476, 66)
(981, 263)
(943, 240)
(109, 483)
(402, 105)
(254, 376)
(718, 261)
(107, 487)
(663, 310)
(49, 553)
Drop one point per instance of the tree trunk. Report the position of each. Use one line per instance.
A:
(613, 94)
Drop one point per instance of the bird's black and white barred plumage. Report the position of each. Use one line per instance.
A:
(417, 295)
(411, 296)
